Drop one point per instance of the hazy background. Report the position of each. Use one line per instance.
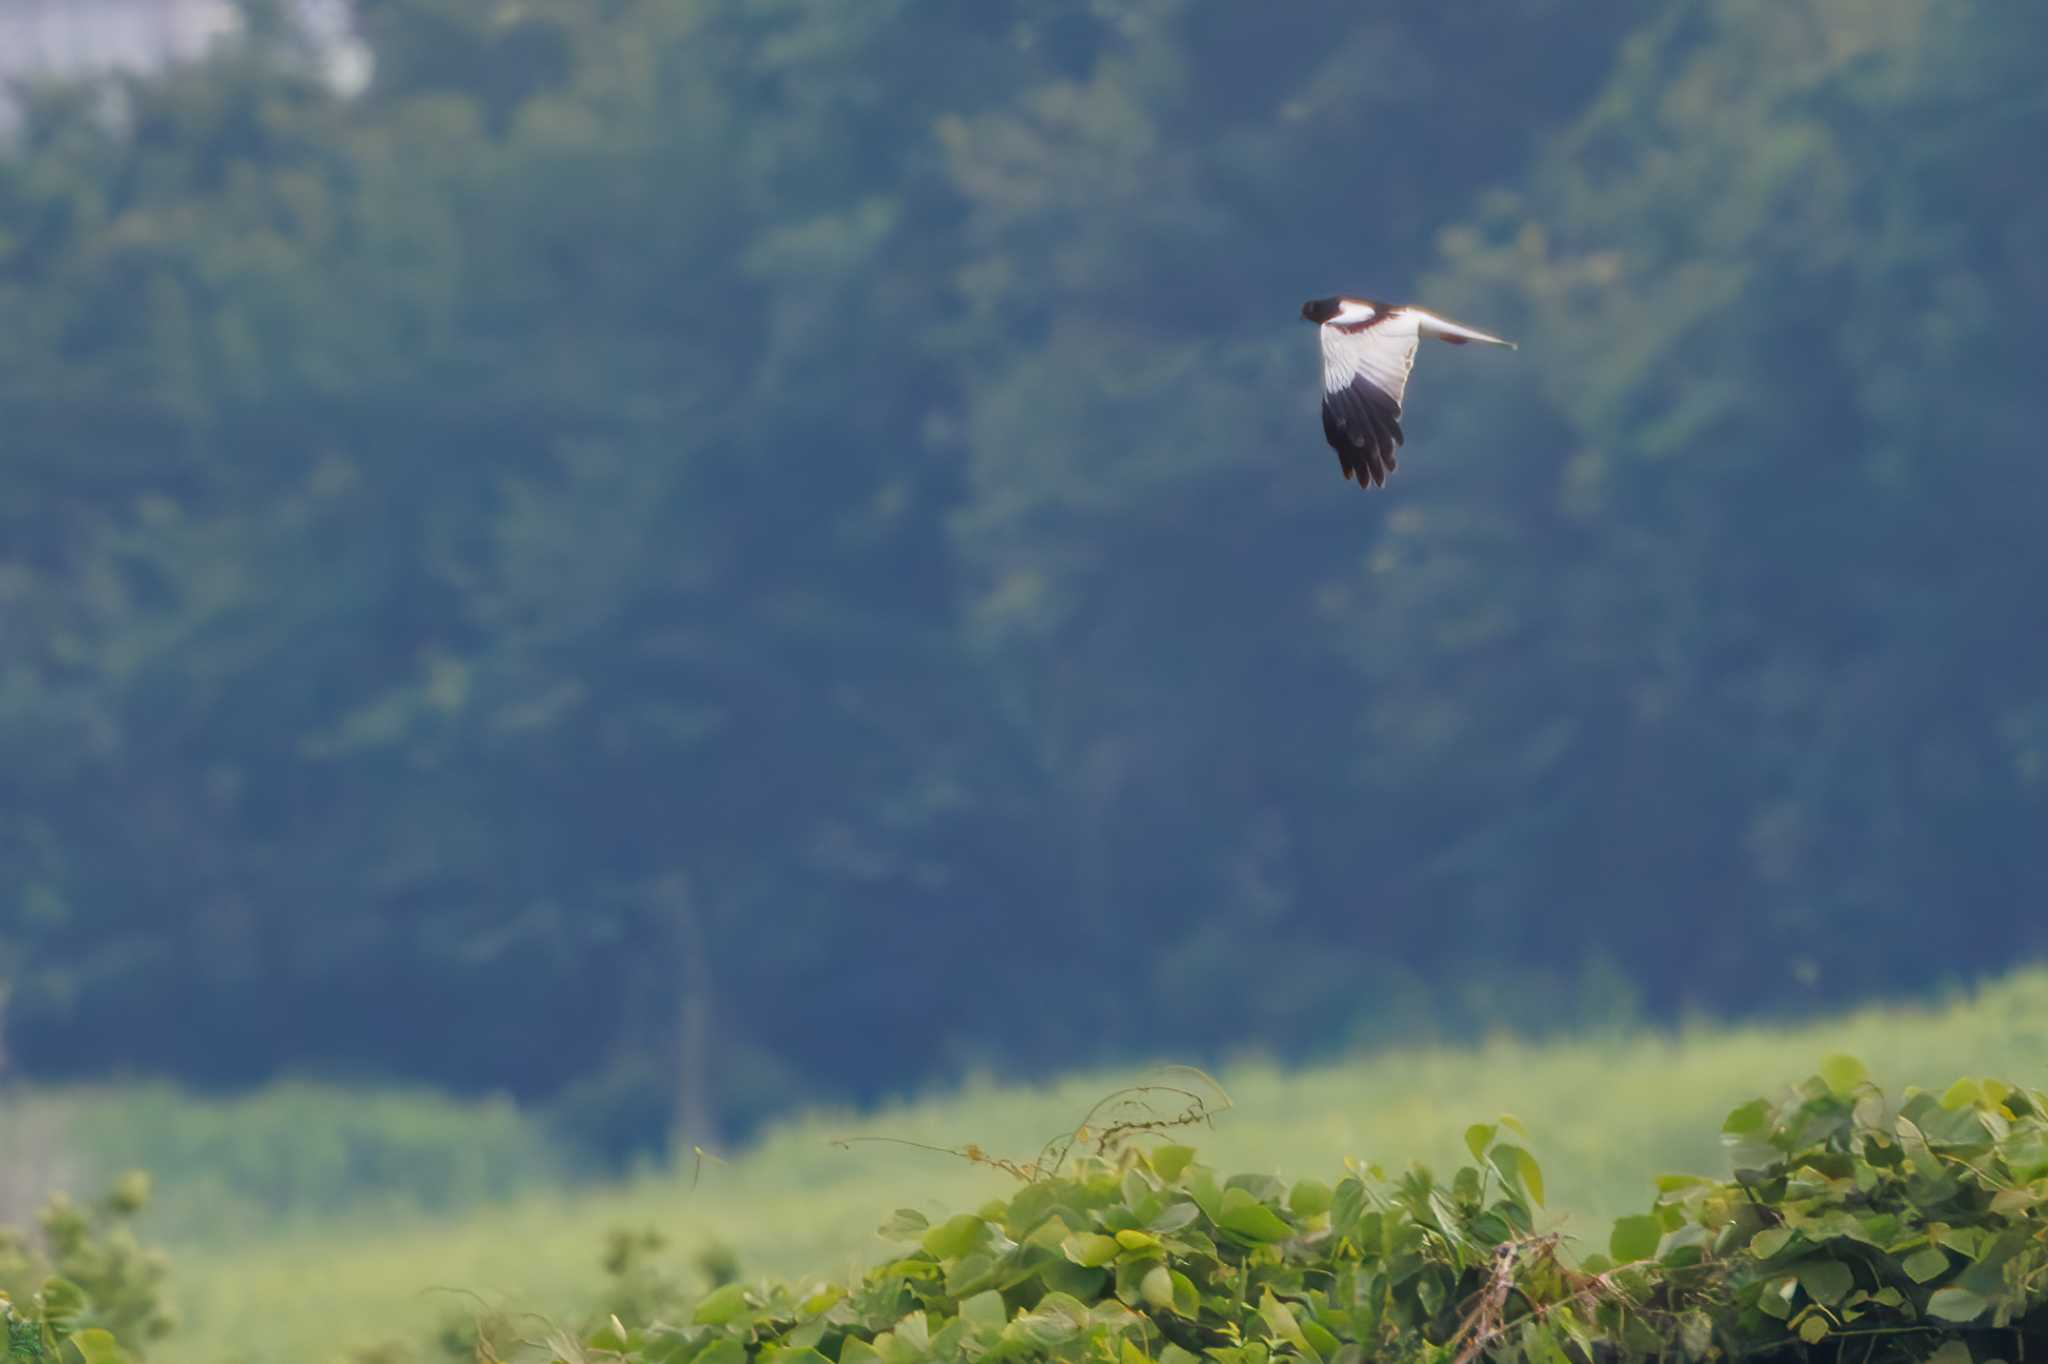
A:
(678, 560)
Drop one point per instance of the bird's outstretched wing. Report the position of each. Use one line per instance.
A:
(1365, 373)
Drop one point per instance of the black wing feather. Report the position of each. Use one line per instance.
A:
(1363, 425)
(1334, 433)
(1348, 427)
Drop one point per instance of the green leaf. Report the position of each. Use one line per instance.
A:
(1478, 1137)
(1928, 1262)
(914, 1328)
(1279, 1319)
(1541, 1345)
(1769, 1241)
(720, 1306)
(1963, 1093)
(1347, 1204)
(1057, 1318)
(970, 1273)
(98, 1346)
(1208, 1196)
(1320, 1342)
(63, 1303)
(1187, 1299)
(1248, 1219)
(955, 1236)
(729, 1351)
(1157, 1287)
(1634, 1238)
(1090, 1249)
(1748, 1120)
(1309, 1198)
(1064, 1276)
(1530, 1176)
(1050, 1233)
(905, 1224)
(824, 1299)
(610, 1335)
(895, 1349)
(1169, 1161)
(1520, 1170)
(1957, 1304)
(1813, 1329)
(1843, 1073)
(1827, 1282)
(984, 1310)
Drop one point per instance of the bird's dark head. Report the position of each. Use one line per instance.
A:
(1321, 310)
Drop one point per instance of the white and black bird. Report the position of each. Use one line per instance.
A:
(1368, 349)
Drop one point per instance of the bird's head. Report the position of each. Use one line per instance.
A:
(1320, 310)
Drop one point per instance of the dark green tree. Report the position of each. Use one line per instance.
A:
(702, 553)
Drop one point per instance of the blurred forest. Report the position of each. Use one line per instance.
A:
(788, 543)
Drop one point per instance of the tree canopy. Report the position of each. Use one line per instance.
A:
(792, 541)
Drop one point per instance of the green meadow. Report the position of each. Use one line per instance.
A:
(1605, 1114)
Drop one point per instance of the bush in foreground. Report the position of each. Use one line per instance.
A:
(1853, 1228)
(83, 1284)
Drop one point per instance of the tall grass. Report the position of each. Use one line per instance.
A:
(229, 1170)
(1606, 1115)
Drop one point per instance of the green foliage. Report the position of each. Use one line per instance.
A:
(1910, 1224)
(85, 1290)
(1906, 1231)
(640, 1286)
(1612, 1112)
(1152, 1249)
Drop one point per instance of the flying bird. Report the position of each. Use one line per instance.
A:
(1368, 350)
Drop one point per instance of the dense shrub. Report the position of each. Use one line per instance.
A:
(69, 1293)
(1853, 1227)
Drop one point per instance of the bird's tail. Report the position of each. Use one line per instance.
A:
(1443, 329)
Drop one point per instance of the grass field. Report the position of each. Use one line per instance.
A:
(1605, 1116)
(229, 1169)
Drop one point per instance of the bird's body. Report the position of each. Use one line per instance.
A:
(1368, 351)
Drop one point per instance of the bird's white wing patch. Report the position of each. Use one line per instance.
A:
(1457, 333)
(1382, 354)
